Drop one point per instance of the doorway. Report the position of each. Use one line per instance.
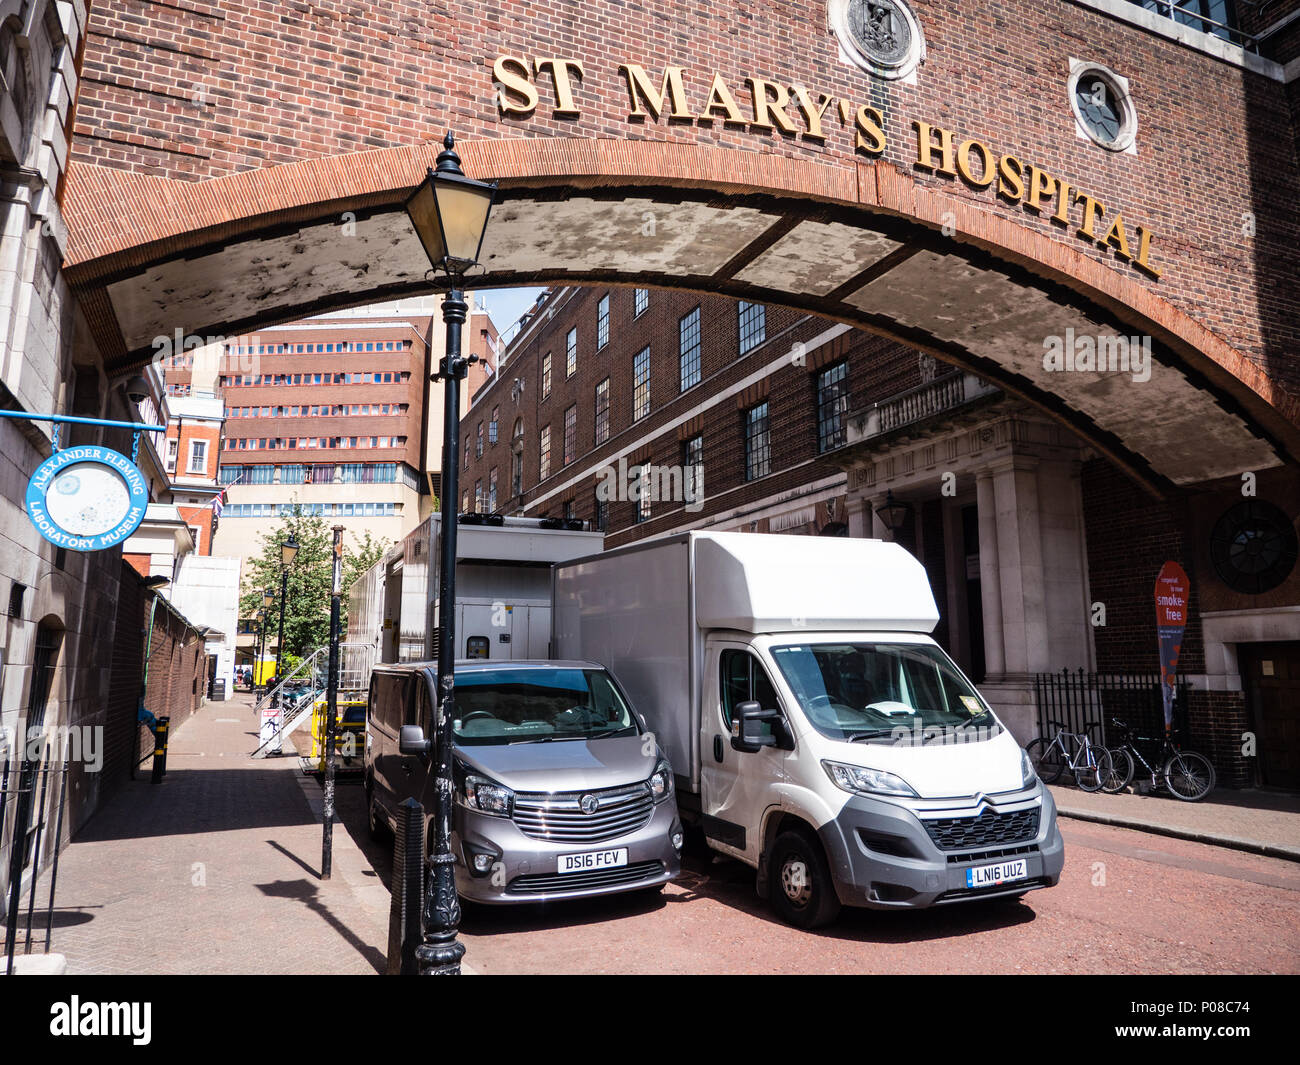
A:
(1270, 675)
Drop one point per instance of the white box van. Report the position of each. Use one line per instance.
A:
(817, 732)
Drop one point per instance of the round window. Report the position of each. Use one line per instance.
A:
(1253, 547)
(1103, 109)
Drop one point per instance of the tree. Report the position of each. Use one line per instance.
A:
(310, 579)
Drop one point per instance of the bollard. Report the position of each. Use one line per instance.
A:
(408, 891)
(160, 748)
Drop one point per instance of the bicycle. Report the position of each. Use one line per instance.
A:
(1186, 775)
(1090, 762)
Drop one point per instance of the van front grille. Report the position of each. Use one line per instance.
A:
(558, 818)
(990, 829)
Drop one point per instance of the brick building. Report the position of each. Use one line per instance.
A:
(222, 168)
(762, 419)
(334, 414)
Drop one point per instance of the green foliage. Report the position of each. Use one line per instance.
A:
(309, 580)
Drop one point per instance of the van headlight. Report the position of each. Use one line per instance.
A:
(1027, 774)
(486, 796)
(859, 779)
(661, 781)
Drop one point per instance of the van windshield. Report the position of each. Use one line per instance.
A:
(891, 693)
(535, 705)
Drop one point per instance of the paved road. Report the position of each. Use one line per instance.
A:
(1128, 902)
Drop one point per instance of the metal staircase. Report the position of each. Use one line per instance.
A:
(355, 663)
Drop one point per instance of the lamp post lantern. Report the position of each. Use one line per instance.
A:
(288, 551)
(893, 514)
(449, 212)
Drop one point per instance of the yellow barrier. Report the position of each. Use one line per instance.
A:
(349, 736)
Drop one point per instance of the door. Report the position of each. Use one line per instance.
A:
(736, 787)
(1270, 674)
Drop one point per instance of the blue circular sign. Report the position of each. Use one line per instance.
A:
(87, 498)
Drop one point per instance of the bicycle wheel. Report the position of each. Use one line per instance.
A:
(1093, 769)
(1189, 776)
(1047, 758)
(1121, 771)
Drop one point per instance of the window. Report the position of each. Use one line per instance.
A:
(602, 511)
(492, 426)
(198, 457)
(1194, 13)
(688, 331)
(832, 405)
(492, 491)
(570, 434)
(602, 322)
(753, 325)
(478, 496)
(602, 411)
(173, 447)
(546, 375)
(641, 384)
(517, 472)
(640, 300)
(758, 453)
(693, 453)
(478, 442)
(744, 680)
(544, 449)
(464, 501)
(293, 474)
(639, 483)
(571, 353)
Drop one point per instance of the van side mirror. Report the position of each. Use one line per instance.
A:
(747, 733)
(411, 741)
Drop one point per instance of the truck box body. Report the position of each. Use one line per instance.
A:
(642, 611)
(503, 601)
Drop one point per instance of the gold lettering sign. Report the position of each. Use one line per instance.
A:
(793, 111)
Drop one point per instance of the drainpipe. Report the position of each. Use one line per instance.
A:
(142, 715)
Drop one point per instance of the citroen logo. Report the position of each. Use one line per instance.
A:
(589, 804)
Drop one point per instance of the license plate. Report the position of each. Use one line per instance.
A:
(993, 875)
(591, 860)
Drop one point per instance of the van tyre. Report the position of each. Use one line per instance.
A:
(800, 889)
(377, 826)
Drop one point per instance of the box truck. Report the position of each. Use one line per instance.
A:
(503, 589)
(815, 729)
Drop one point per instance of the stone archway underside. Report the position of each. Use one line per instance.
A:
(862, 245)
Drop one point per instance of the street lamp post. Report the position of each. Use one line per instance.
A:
(449, 212)
(288, 549)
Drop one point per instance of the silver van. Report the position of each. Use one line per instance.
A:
(560, 791)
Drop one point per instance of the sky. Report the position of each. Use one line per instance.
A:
(507, 304)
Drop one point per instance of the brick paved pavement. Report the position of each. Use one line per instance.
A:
(215, 870)
(1265, 822)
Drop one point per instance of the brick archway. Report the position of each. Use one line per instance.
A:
(866, 244)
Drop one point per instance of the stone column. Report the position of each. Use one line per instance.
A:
(990, 581)
(856, 516)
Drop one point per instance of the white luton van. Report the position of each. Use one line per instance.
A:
(815, 729)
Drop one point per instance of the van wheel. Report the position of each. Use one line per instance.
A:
(801, 889)
(378, 827)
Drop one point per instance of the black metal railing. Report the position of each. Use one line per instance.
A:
(34, 790)
(1080, 701)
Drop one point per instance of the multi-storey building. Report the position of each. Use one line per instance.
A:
(337, 415)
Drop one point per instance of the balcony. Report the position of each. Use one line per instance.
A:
(933, 399)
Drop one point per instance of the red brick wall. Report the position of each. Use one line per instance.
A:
(877, 368)
(205, 88)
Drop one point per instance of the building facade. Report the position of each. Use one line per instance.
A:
(1042, 552)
